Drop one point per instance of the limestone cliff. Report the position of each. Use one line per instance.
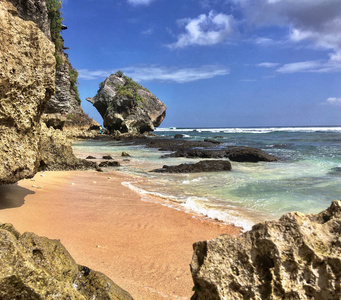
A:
(65, 102)
(297, 257)
(126, 106)
(35, 11)
(34, 267)
(27, 73)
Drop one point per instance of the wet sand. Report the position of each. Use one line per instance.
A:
(144, 247)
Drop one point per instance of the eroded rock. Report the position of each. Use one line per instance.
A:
(34, 267)
(27, 74)
(56, 153)
(126, 106)
(296, 257)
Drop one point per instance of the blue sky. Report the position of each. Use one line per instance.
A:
(215, 63)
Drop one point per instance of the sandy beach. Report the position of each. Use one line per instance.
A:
(144, 247)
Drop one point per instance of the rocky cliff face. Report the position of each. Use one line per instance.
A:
(65, 101)
(126, 106)
(35, 11)
(34, 267)
(27, 73)
(297, 257)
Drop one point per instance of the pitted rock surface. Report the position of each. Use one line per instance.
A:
(296, 257)
(27, 74)
(34, 267)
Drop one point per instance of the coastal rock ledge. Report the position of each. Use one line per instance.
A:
(34, 267)
(126, 106)
(297, 257)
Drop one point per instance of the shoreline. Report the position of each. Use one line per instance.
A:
(144, 247)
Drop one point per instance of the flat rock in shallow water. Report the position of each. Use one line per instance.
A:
(90, 157)
(109, 164)
(202, 166)
(248, 154)
(107, 157)
(297, 257)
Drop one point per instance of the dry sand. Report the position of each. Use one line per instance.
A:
(145, 248)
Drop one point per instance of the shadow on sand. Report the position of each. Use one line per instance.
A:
(12, 196)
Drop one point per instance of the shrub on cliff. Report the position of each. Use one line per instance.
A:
(55, 16)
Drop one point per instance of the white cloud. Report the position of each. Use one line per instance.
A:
(304, 66)
(147, 31)
(93, 75)
(159, 73)
(140, 2)
(268, 65)
(205, 30)
(316, 21)
(313, 66)
(333, 101)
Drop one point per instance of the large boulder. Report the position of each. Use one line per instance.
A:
(27, 74)
(297, 257)
(126, 106)
(34, 267)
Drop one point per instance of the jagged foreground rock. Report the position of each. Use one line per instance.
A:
(27, 73)
(34, 267)
(126, 106)
(297, 257)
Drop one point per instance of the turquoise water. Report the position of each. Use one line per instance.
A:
(306, 179)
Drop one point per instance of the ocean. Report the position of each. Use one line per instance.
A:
(306, 178)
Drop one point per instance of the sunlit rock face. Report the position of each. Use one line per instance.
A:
(297, 257)
(126, 106)
(27, 81)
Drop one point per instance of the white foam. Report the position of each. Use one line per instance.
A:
(194, 204)
(146, 193)
(197, 205)
(253, 130)
(192, 180)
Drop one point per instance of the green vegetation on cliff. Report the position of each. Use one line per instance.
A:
(73, 74)
(55, 16)
(130, 88)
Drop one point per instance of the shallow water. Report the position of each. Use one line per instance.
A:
(306, 179)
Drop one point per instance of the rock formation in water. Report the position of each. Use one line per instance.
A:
(201, 166)
(27, 73)
(126, 106)
(297, 257)
(34, 267)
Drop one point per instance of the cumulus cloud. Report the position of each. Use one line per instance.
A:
(204, 30)
(140, 2)
(317, 21)
(160, 73)
(333, 101)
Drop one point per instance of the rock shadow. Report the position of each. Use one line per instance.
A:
(13, 195)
